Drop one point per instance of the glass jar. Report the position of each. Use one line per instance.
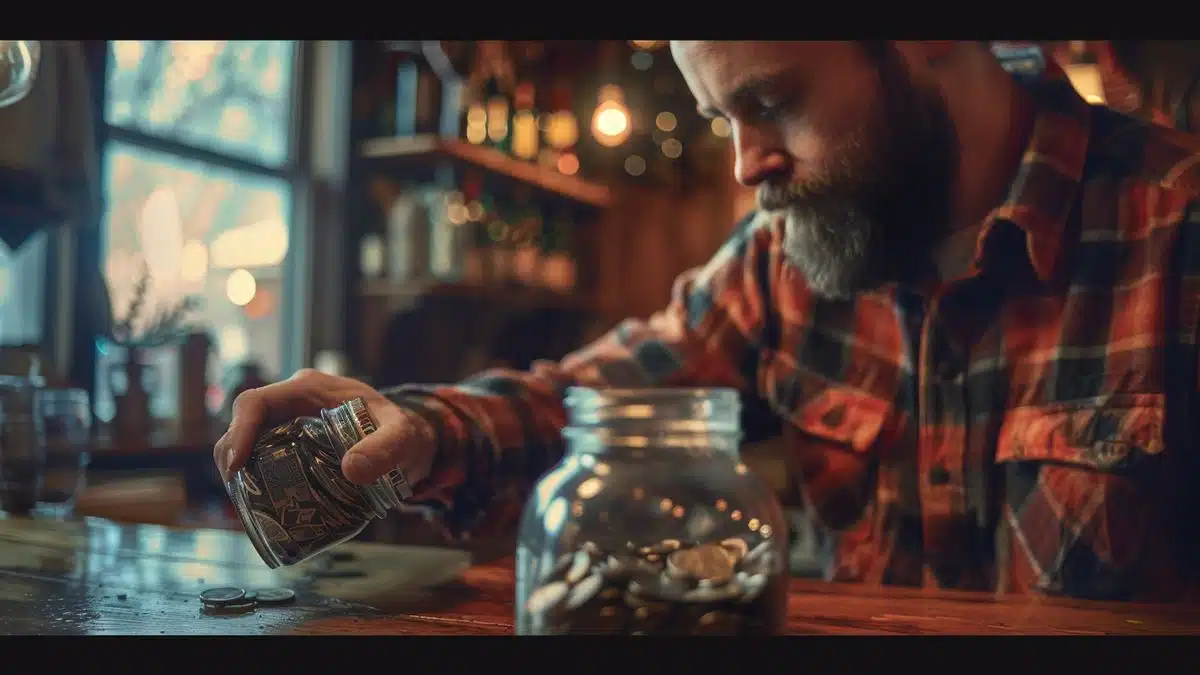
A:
(291, 496)
(650, 524)
(66, 417)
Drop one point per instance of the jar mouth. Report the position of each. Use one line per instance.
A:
(683, 410)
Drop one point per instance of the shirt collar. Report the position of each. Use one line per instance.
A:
(1043, 191)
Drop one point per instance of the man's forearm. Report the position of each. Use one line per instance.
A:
(497, 433)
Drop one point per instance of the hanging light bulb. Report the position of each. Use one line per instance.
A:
(610, 122)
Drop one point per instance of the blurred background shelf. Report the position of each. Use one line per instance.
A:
(429, 151)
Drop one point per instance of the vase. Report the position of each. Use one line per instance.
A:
(133, 383)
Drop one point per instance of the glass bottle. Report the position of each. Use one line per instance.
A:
(291, 496)
(524, 122)
(650, 524)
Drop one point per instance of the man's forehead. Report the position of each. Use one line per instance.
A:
(718, 70)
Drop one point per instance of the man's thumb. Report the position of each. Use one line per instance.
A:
(397, 444)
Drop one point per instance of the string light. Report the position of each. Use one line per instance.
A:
(240, 287)
(666, 121)
(672, 148)
(568, 164)
(721, 127)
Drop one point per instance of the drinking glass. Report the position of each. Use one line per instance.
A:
(66, 420)
(22, 447)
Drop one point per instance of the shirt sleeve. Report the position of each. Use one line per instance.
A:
(498, 432)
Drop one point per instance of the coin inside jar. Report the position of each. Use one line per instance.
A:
(707, 561)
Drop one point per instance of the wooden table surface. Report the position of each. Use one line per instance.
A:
(102, 578)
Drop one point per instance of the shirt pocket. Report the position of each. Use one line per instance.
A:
(835, 432)
(1082, 511)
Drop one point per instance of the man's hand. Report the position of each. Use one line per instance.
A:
(394, 444)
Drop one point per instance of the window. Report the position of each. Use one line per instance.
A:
(199, 173)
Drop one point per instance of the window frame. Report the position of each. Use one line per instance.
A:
(85, 248)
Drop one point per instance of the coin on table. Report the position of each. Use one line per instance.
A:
(223, 596)
(275, 596)
(707, 561)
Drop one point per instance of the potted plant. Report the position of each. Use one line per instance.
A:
(135, 380)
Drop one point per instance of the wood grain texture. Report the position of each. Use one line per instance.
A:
(97, 577)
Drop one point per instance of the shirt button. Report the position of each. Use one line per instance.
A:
(938, 475)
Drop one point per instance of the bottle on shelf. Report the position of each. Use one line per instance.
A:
(561, 131)
(418, 102)
(408, 237)
(527, 228)
(524, 132)
(558, 264)
(448, 239)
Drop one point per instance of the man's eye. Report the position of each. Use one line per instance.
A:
(769, 109)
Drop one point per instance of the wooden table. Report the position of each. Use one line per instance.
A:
(98, 577)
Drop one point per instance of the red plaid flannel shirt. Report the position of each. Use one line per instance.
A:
(1027, 428)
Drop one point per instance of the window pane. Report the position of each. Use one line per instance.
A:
(230, 96)
(198, 230)
(22, 290)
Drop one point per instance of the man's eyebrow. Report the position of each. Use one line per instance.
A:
(746, 91)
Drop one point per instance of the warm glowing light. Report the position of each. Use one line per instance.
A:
(128, 53)
(524, 135)
(721, 127)
(1086, 79)
(160, 231)
(610, 92)
(646, 44)
(193, 265)
(610, 123)
(562, 131)
(672, 148)
(240, 287)
(232, 343)
(635, 165)
(261, 244)
(497, 119)
(477, 115)
(474, 211)
(476, 133)
(568, 164)
(666, 121)
(457, 214)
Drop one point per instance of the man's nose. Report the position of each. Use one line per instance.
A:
(757, 156)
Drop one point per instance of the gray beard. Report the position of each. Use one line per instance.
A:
(834, 252)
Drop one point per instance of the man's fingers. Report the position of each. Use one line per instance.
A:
(253, 409)
(376, 454)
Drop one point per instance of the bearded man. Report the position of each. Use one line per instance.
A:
(972, 298)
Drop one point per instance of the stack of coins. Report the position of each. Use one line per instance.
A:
(230, 600)
(666, 588)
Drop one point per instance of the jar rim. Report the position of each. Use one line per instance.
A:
(717, 409)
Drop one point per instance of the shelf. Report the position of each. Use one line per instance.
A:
(524, 297)
(429, 148)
